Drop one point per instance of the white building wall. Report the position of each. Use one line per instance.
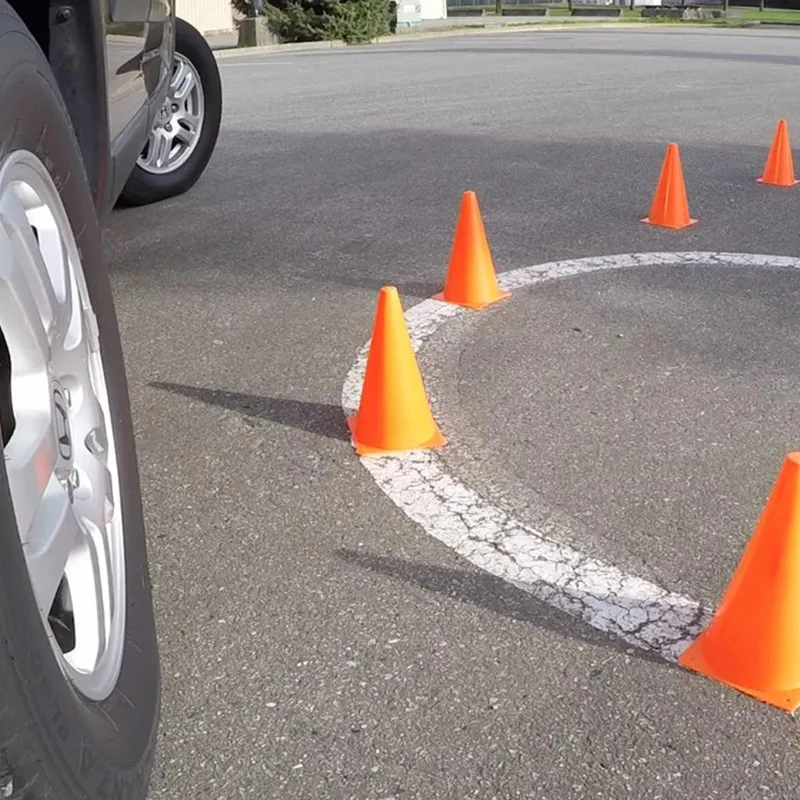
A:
(208, 16)
(434, 9)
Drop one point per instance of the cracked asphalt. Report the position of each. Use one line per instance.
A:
(315, 642)
(675, 389)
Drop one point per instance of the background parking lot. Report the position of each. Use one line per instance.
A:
(315, 643)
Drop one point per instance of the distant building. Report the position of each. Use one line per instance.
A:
(208, 16)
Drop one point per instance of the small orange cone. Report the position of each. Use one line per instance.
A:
(393, 415)
(753, 641)
(779, 169)
(670, 208)
(471, 280)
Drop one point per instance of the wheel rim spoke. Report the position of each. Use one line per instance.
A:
(161, 147)
(85, 570)
(184, 135)
(183, 82)
(26, 326)
(31, 459)
(60, 456)
(53, 537)
(33, 234)
(147, 159)
(189, 122)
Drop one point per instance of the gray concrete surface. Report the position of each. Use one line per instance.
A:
(315, 643)
(222, 41)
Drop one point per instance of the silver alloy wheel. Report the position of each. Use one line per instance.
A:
(60, 454)
(179, 122)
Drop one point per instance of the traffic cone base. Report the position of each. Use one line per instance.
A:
(437, 440)
(475, 306)
(674, 227)
(471, 281)
(779, 167)
(694, 659)
(393, 413)
(753, 641)
(670, 207)
(779, 185)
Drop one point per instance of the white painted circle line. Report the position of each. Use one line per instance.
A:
(637, 611)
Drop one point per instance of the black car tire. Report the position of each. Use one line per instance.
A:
(55, 742)
(143, 187)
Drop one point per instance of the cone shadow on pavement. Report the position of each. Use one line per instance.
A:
(753, 641)
(779, 167)
(471, 279)
(393, 414)
(670, 206)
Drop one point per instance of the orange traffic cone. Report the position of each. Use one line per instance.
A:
(779, 169)
(670, 208)
(471, 280)
(393, 415)
(753, 641)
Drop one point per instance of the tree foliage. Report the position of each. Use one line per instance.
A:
(360, 21)
(301, 20)
(352, 21)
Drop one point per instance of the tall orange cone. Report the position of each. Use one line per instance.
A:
(779, 169)
(393, 415)
(753, 641)
(670, 207)
(471, 279)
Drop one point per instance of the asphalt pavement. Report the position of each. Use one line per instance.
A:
(316, 643)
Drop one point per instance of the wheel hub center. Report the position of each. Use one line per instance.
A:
(61, 422)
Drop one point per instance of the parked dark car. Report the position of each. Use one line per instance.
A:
(101, 101)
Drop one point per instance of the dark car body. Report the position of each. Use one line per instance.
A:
(112, 59)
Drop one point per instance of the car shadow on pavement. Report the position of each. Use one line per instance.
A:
(323, 419)
(486, 591)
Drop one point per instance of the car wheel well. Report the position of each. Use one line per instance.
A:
(36, 16)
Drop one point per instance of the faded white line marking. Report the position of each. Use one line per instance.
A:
(639, 612)
(231, 63)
